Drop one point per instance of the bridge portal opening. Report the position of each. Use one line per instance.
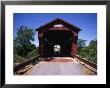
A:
(58, 43)
(61, 33)
(57, 49)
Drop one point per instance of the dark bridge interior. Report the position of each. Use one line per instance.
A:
(62, 38)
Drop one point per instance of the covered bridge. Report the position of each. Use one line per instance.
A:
(58, 38)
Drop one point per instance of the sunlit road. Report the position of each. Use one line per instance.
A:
(57, 68)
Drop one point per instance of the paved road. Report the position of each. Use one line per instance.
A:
(57, 68)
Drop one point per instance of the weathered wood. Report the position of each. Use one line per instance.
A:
(26, 63)
(86, 62)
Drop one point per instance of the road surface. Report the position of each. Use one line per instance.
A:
(56, 67)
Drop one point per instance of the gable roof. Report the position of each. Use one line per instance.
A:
(58, 21)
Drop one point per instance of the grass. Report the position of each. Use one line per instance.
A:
(19, 59)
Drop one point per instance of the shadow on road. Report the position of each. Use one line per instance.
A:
(24, 67)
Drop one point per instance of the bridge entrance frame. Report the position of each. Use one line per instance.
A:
(58, 32)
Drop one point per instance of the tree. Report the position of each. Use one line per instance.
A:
(33, 54)
(81, 45)
(93, 50)
(32, 47)
(23, 39)
(89, 52)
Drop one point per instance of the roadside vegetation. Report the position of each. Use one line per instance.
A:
(88, 52)
(24, 49)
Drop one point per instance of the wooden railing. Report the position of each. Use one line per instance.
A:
(92, 66)
(32, 62)
(26, 63)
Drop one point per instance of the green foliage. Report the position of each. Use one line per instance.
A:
(22, 41)
(33, 54)
(23, 47)
(32, 47)
(19, 59)
(89, 52)
(92, 49)
(81, 45)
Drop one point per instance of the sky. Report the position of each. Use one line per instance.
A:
(87, 22)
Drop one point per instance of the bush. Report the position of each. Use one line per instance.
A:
(89, 52)
(19, 59)
(33, 54)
